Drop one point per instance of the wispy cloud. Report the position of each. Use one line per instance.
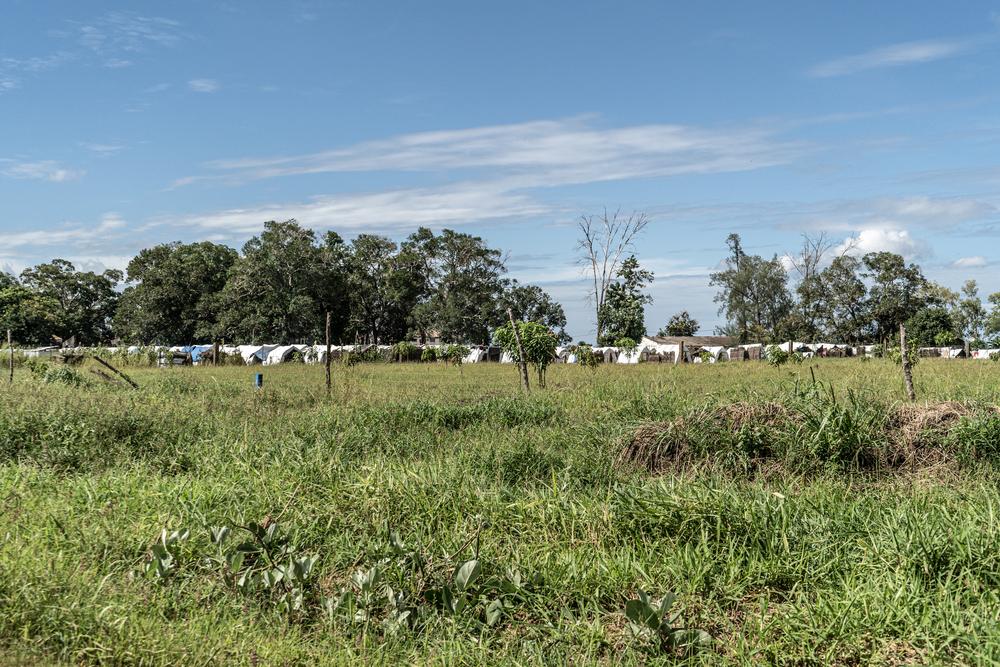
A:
(970, 262)
(203, 85)
(127, 32)
(895, 55)
(43, 170)
(51, 237)
(543, 153)
(103, 150)
(380, 211)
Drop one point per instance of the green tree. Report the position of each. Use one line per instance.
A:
(177, 293)
(845, 301)
(530, 303)
(896, 291)
(85, 301)
(465, 285)
(971, 314)
(680, 324)
(30, 317)
(930, 326)
(753, 293)
(282, 286)
(381, 288)
(991, 327)
(538, 341)
(624, 313)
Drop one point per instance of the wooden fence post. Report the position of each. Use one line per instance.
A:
(520, 351)
(10, 351)
(328, 384)
(904, 354)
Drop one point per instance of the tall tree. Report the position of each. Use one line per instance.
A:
(624, 307)
(604, 241)
(680, 324)
(845, 305)
(85, 300)
(753, 293)
(530, 303)
(806, 265)
(465, 284)
(385, 286)
(971, 314)
(896, 291)
(176, 295)
(30, 317)
(281, 287)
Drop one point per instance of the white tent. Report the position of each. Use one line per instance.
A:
(255, 354)
(475, 356)
(281, 354)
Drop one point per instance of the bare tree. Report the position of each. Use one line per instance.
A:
(808, 264)
(604, 240)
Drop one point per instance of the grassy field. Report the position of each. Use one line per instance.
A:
(431, 515)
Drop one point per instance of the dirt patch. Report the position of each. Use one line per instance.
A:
(916, 425)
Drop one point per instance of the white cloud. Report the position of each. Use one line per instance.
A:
(50, 237)
(44, 170)
(969, 262)
(203, 85)
(943, 212)
(894, 55)
(540, 153)
(884, 239)
(381, 211)
(101, 149)
(117, 63)
(127, 32)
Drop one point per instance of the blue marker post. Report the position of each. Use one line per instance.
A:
(258, 381)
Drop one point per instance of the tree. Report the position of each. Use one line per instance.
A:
(30, 317)
(991, 328)
(603, 242)
(932, 326)
(895, 294)
(623, 314)
(465, 284)
(85, 301)
(176, 295)
(845, 307)
(807, 321)
(538, 341)
(379, 311)
(531, 303)
(753, 293)
(971, 315)
(282, 286)
(680, 324)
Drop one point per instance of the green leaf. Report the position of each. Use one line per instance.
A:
(466, 574)
(493, 612)
(642, 613)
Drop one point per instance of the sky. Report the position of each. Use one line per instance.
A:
(124, 125)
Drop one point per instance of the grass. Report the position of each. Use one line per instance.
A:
(777, 536)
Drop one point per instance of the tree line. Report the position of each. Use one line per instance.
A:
(279, 287)
(823, 293)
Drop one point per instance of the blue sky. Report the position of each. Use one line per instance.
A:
(123, 125)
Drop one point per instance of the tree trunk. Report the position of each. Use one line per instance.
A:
(520, 352)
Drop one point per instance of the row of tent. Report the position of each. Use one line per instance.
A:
(649, 350)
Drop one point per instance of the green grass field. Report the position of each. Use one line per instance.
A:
(835, 528)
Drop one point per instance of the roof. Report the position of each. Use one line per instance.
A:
(702, 341)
